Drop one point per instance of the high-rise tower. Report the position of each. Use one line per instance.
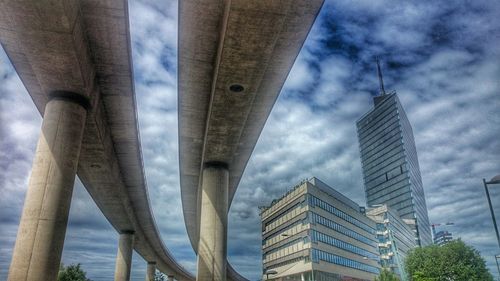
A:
(389, 161)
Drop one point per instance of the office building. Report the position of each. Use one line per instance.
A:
(395, 237)
(389, 162)
(315, 233)
(442, 237)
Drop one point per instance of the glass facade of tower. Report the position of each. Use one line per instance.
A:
(389, 162)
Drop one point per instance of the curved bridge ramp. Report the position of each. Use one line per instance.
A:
(83, 48)
(234, 57)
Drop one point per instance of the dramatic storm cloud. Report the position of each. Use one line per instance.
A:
(441, 57)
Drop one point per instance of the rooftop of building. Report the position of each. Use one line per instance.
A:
(321, 186)
(274, 201)
(381, 209)
(443, 233)
(377, 209)
(377, 101)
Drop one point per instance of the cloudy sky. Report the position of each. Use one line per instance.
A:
(442, 57)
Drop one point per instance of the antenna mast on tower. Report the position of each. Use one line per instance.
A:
(380, 79)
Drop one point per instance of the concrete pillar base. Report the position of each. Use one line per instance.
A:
(124, 256)
(212, 246)
(150, 271)
(40, 238)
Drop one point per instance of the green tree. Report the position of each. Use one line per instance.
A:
(454, 261)
(72, 273)
(160, 276)
(387, 275)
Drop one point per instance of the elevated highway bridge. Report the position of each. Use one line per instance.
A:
(74, 58)
(234, 57)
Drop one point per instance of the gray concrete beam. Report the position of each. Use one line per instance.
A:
(40, 238)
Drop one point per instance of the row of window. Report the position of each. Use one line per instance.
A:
(393, 196)
(397, 183)
(278, 235)
(407, 240)
(282, 214)
(318, 255)
(315, 201)
(397, 223)
(315, 218)
(290, 261)
(377, 163)
(376, 116)
(277, 203)
(286, 216)
(286, 245)
(387, 148)
(389, 131)
(390, 169)
(375, 131)
(396, 245)
(406, 212)
(327, 239)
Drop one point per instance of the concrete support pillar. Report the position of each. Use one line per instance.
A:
(124, 256)
(40, 237)
(212, 246)
(170, 278)
(150, 271)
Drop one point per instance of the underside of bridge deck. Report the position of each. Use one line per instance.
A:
(234, 57)
(83, 47)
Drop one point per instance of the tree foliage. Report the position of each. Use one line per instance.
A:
(71, 273)
(387, 275)
(454, 261)
(160, 276)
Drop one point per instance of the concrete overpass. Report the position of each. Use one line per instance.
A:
(234, 57)
(74, 58)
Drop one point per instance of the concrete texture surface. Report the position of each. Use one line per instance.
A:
(212, 248)
(150, 271)
(222, 44)
(40, 238)
(84, 47)
(124, 256)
